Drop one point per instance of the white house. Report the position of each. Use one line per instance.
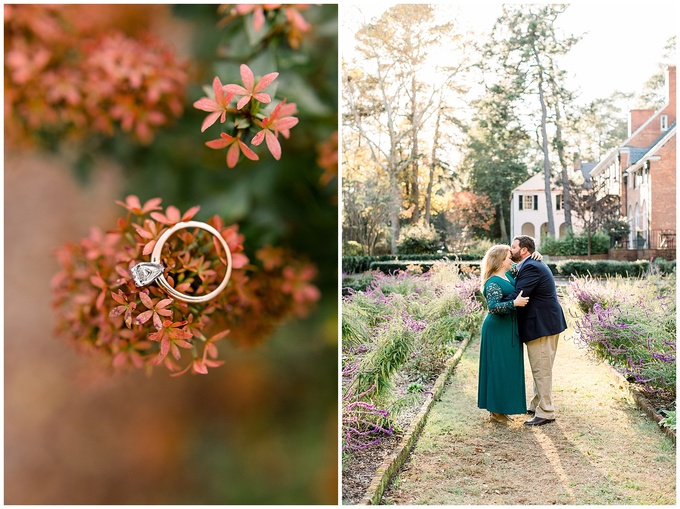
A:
(529, 213)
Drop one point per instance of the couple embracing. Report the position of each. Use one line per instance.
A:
(522, 309)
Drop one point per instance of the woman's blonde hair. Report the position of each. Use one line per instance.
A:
(493, 260)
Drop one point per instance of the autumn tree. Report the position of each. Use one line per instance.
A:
(468, 215)
(365, 204)
(389, 97)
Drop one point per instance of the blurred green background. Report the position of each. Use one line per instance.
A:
(262, 429)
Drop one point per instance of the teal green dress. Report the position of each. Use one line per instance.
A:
(501, 360)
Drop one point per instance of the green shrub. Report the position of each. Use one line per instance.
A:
(663, 267)
(352, 248)
(419, 238)
(355, 264)
(391, 352)
(478, 248)
(603, 268)
(670, 421)
(575, 245)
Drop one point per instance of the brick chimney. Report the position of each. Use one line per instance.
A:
(636, 118)
(670, 94)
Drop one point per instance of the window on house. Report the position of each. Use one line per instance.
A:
(528, 202)
(664, 122)
(638, 179)
(558, 202)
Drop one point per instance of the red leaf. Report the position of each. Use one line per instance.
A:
(119, 297)
(190, 213)
(183, 344)
(117, 311)
(149, 247)
(143, 317)
(163, 304)
(199, 367)
(146, 300)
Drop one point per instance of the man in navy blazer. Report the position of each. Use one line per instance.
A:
(540, 323)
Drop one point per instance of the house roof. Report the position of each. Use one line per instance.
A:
(585, 170)
(535, 183)
(653, 149)
(637, 153)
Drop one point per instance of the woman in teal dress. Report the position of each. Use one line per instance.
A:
(501, 362)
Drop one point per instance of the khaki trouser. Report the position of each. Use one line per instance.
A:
(541, 352)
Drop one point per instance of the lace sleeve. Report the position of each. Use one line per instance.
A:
(494, 294)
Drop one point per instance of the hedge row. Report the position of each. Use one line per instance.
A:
(355, 264)
(596, 268)
(602, 268)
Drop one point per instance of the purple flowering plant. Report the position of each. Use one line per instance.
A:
(631, 325)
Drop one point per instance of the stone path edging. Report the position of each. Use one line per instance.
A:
(642, 402)
(395, 460)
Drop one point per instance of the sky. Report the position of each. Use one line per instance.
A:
(621, 47)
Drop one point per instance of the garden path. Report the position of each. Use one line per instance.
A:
(600, 450)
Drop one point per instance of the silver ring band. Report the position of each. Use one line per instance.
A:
(155, 268)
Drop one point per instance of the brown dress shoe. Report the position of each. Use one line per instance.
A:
(494, 416)
(538, 421)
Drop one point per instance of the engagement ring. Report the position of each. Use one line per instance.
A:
(145, 273)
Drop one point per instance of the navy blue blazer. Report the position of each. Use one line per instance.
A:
(543, 315)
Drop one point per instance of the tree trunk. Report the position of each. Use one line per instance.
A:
(415, 190)
(395, 207)
(546, 158)
(433, 166)
(566, 199)
(504, 231)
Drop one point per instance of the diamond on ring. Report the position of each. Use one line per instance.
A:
(145, 273)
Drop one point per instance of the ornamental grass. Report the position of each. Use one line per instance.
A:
(396, 335)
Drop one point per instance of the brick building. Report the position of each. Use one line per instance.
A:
(642, 172)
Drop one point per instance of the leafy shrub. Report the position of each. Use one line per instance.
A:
(419, 238)
(355, 264)
(661, 266)
(478, 248)
(352, 248)
(617, 228)
(438, 341)
(670, 421)
(575, 245)
(603, 268)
